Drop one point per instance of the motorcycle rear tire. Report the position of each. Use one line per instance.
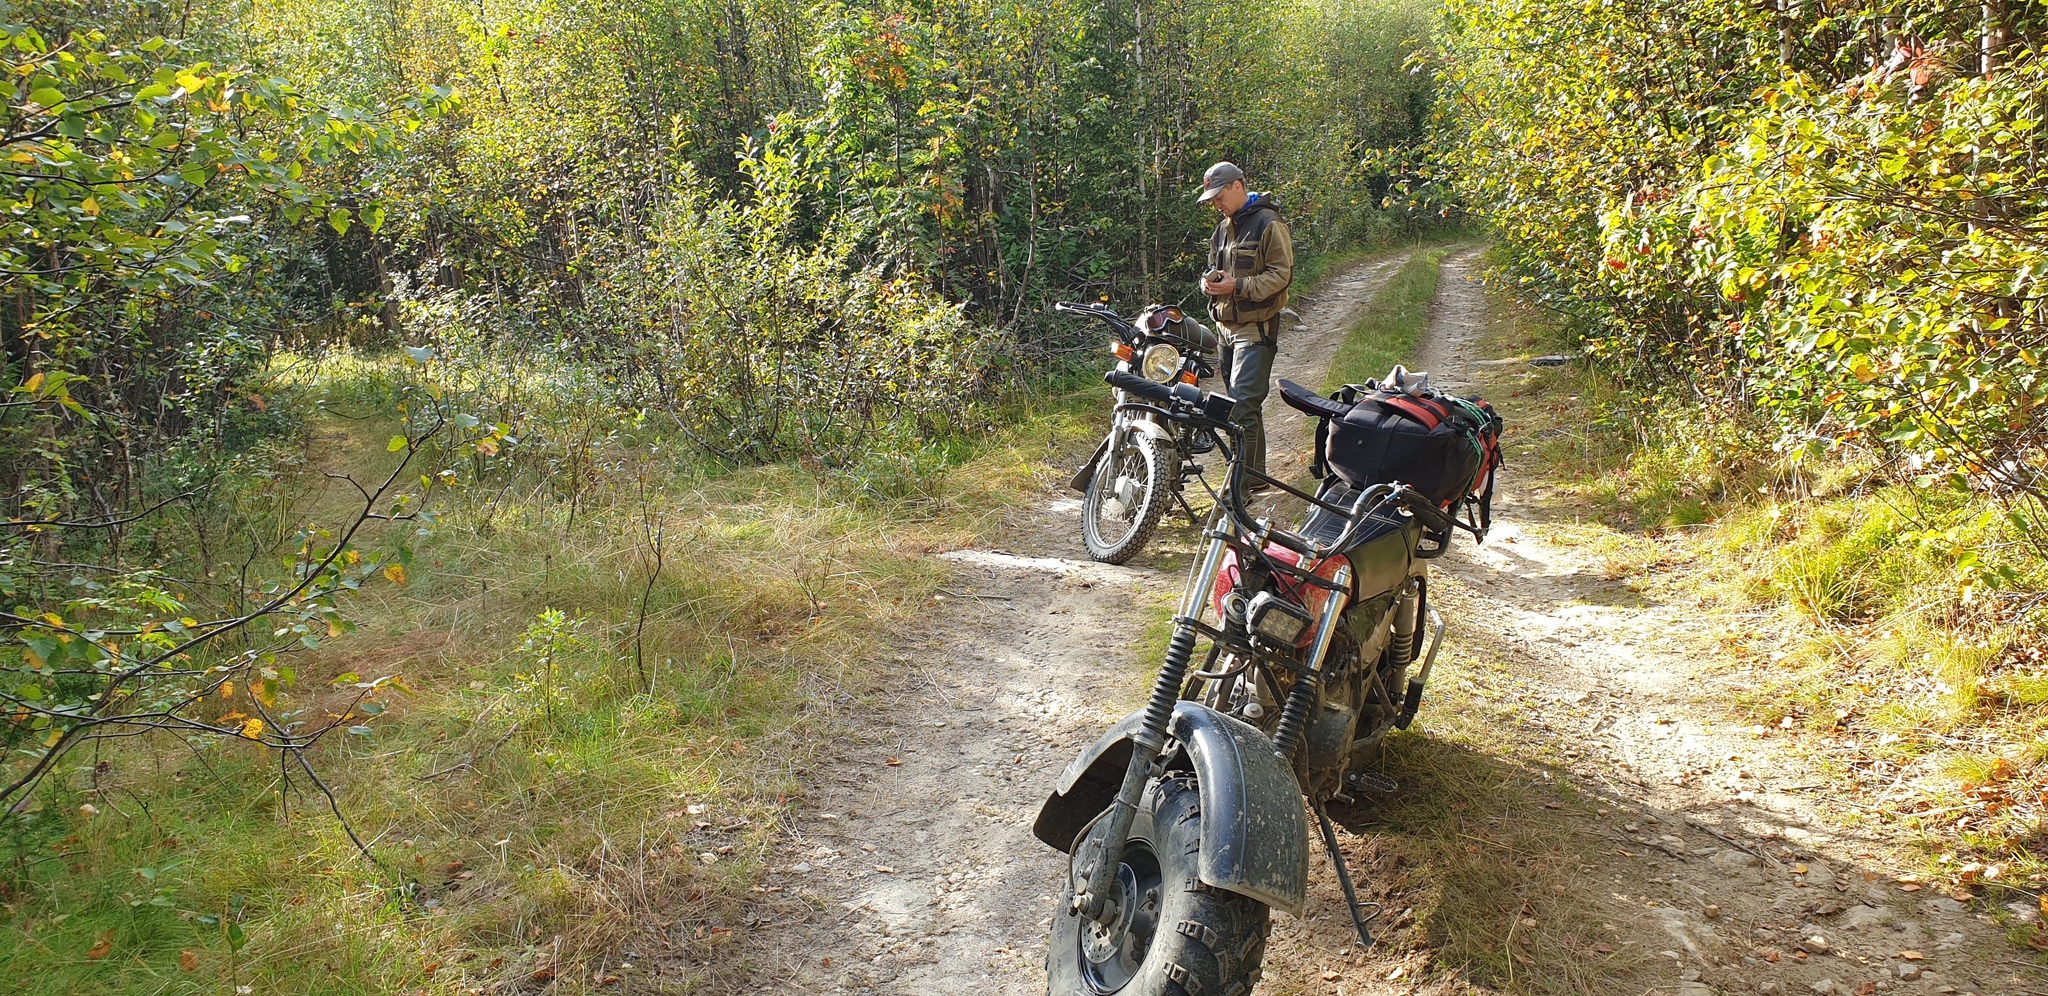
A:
(1139, 457)
(1202, 940)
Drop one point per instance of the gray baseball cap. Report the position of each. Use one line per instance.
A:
(1218, 177)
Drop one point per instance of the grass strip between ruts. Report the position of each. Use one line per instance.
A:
(1389, 329)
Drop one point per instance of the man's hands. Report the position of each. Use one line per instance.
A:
(1220, 288)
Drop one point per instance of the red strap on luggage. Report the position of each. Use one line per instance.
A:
(1428, 415)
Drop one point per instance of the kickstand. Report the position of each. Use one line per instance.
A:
(1358, 919)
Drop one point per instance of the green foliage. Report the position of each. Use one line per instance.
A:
(1830, 215)
(540, 682)
(111, 648)
(785, 346)
(145, 192)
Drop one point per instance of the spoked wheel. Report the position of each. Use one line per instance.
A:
(1170, 934)
(1125, 498)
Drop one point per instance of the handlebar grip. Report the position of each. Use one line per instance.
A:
(1143, 387)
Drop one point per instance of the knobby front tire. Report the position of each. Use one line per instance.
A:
(1183, 938)
(1115, 530)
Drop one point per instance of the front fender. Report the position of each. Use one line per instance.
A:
(1087, 471)
(1254, 831)
(1079, 481)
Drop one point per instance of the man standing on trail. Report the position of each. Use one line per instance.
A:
(1251, 262)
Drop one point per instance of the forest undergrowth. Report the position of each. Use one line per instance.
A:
(603, 673)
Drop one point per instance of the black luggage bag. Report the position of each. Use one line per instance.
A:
(1439, 444)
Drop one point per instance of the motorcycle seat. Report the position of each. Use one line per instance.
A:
(1324, 526)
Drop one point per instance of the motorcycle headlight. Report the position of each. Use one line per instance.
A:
(1161, 363)
(1277, 620)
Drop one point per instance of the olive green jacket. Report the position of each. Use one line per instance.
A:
(1254, 246)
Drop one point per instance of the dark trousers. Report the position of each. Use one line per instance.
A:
(1249, 379)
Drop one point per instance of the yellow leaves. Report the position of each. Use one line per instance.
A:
(487, 446)
(90, 206)
(252, 729)
(227, 689)
(395, 573)
(352, 558)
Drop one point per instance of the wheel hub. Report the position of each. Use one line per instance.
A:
(1100, 941)
(1113, 952)
(1127, 494)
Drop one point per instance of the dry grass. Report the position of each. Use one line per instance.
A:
(538, 820)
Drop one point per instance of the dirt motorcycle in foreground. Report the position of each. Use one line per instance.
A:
(1185, 823)
(1144, 463)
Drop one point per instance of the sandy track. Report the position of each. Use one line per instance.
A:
(927, 879)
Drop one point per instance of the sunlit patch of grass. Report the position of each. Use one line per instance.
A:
(527, 823)
(1486, 837)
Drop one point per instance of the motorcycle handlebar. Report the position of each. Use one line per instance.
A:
(1143, 387)
(1422, 508)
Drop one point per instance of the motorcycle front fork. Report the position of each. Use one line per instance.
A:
(1097, 866)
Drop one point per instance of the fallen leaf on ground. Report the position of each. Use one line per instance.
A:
(188, 960)
(104, 948)
(894, 762)
(1331, 976)
(1604, 948)
(1911, 955)
(885, 869)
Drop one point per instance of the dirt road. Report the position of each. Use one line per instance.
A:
(1580, 823)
